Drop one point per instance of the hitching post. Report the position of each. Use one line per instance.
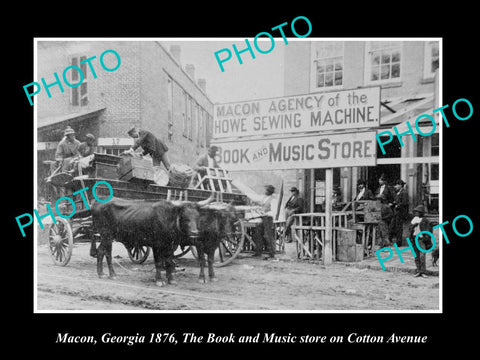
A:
(327, 244)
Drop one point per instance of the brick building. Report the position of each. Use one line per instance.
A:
(150, 90)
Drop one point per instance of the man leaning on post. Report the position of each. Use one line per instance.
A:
(264, 234)
(293, 206)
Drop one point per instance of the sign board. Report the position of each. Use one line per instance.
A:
(49, 145)
(115, 141)
(301, 152)
(338, 110)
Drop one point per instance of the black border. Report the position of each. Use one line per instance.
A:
(37, 332)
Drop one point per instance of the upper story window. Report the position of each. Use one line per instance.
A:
(170, 108)
(78, 94)
(383, 61)
(327, 59)
(431, 59)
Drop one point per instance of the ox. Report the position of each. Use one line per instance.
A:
(215, 222)
(162, 225)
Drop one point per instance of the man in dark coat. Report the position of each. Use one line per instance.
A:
(364, 193)
(386, 214)
(385, 189)
(293, 206)
(400, 212)
(151, 145)
(420, 223)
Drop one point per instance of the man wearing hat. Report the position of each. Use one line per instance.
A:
(418, 224)
(151, 145)
(87, 147)
(293, 206)
(400, 212)
(264, 234)
(385, 189)
(67, 149)
(364, 193)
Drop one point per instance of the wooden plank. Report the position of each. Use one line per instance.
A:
(220, 183)
(409, 160)
(327, 251)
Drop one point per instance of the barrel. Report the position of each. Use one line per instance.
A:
(180, 175)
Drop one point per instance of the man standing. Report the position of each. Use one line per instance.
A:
(264, 234)
(293, 206)
(386, 214)
(67, 150)
(363, 192)
(385, 189)
(151, 146)
(418, 224)
(400, 212)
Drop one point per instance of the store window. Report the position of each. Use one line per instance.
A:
(170, 108)
(115, 150)
(78, 94)
(431, 59)
(327, 65)
(383, 61)
(435, 145)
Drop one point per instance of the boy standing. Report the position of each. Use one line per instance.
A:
(420, 223)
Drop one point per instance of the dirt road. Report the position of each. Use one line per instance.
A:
(246, 284)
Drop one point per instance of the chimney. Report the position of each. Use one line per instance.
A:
(190, 69)
(203, 84)
(175, 51)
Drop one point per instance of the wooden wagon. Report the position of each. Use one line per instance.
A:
(104, 168)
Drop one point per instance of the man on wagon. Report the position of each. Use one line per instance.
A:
(67, 150)
(207, 160)
(151, 145)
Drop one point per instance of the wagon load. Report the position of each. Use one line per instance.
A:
(180, 175)
(135, 169)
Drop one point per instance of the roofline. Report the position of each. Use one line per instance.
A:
(183, 70)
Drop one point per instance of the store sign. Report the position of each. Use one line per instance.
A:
(302, 152)
(338, 110)
(115, 141)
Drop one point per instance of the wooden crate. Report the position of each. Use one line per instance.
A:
(104, 171)
(132, 169)
(104, 166)
(347, 248)
(372, 211)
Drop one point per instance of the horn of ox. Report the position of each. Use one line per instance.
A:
(205, 202)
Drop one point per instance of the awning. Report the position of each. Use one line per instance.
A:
(47, 123)
(399, 109)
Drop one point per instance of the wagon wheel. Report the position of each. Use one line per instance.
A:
(279, 237)
(228, 248)
(179, 252)
(138, 254)
(60, 242)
